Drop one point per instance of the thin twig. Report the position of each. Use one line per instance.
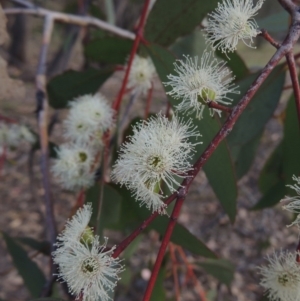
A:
(268, 38)
(175, 273)
(294, 77)
(69, 18)
(42, 112)
(214, 105)
(191, 274)
(289, 6)
(138, 39)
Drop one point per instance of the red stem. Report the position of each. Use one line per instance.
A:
(7, 119)
(148, 103)
(294, 77)
(138, 39)
(191, 274)
(268, 38)
(80, 199)
(163, 247)
(214, 105)
(168, 110)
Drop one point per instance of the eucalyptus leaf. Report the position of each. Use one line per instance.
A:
(32, 276)
(169, 20)
(221, 269)
(70, 84)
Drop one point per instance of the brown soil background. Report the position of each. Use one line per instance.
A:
(245, 243)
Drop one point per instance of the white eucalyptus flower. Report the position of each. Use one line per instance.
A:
(12, 134)
(77, 229)
(141, 75)
(281, 277)
(89, 270)
(294, 202)
(197, 83)
(72, 167)
(158, 152)
(232, 21)
(89, 117)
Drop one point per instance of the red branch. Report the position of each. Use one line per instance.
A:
(294, 77)
(163, 247)
(214, 105)
(268, 38)
(138, 39)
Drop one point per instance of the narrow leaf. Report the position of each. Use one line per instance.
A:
(221, 269)
(41, 246)
(32, 276)
(109, 50)
(70, 84)
(181, 18)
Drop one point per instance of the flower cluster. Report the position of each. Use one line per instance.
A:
(198, 83)
(88, 268)
(13, 134)
(232, 21)
(141, 75)
(281, 278)
(90, 116)
(158, 152)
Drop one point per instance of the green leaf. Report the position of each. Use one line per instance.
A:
(221, 269)
(41, 246)
(32, 276)
(246, 154)
(159, 292)
(235, 63)
(218, 168)
(70, 84)
(291, 143)
(109, 50)
(192, 44)
(181, 235)
(260, 109)
(272, 172)
(283, 164)
(169, 20)
(249, 127)
(271, 197)
(111, 207)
